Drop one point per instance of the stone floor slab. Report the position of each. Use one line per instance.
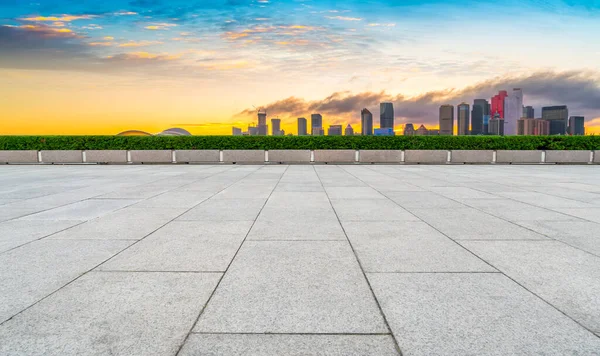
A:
(370, 210)
(84, 210)
(225, 210)
(409, 247)
(565, 277)
(474, 314)
(31, 272)
(131, 223)
(184, 246)
(289, 345)
(18, 232)
(111, 313)
(293, 287)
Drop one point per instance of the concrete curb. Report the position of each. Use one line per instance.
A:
(300, 157)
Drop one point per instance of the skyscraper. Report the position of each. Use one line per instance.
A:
(409, 130)
(276, 127)
(262, 128)
(334, 130)
(301, 126)
(534, 127)
(422, 131)
(386, 115)
(349, 131)
(236, 131)
(498, 104)
(513, 111)
(557, 116)
(481, 108)
(447, 120)
(576, 125)
(462, 113)
(528, 112)
(496, 125)
(366, 122)
(316, 124)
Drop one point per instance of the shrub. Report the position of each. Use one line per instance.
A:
(300, 142)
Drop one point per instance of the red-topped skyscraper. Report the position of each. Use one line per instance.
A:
(498, 103)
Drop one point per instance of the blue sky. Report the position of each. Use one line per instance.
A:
(231, 54)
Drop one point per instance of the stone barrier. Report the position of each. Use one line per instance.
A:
(244, 156)
(18, 156)
(596, 156)
(335, 156)
(151, 156)
(426, 156)
(472, 156)
(380, 156)
(289, 156)
(106, 156)
(524, 157)
(197, 156)
(568, 156)
(60, 156)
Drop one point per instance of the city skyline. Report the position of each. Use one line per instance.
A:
(68, 67)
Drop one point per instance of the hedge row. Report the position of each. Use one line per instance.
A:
(300, 142)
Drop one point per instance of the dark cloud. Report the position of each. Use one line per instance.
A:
(579, 90)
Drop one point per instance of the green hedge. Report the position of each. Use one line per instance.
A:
(300, 142)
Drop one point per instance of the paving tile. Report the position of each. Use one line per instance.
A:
(462, 193)
(297, 229)
(130, 223)
(84, 210)
(309, 200)
(471, 224)
(474, 314)
(409, 247)
(293, 287)
(175, 199)
(565, 277)
(184, 246)
(591, 214)
(31, 272)
(370, 210)
(422, 200)
(580, 234)
(18, 232)
(545, 200)
(9, 213)
(290, 345)
(514, 210)
(353, 193)
(111, 314)
(225, 210)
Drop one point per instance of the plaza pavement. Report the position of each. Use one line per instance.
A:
(299, 260)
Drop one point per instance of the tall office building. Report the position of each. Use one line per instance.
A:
(334, 130)
(386, 116)
(409, 130)
(447, 120)
(577, 125)
(462, 114)
(528, 112)
(276, 127)
(534, 127)
(263, 128)
(349, 131)
(496, 125)
(301, 126)
(481, 108)
(316, 124)
(498, 104)
(366, 122)
(236, 131)
(557, 116)
(513, 111)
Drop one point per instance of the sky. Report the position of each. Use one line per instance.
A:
(103, 67)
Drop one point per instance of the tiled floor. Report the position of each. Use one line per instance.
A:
(299, 260)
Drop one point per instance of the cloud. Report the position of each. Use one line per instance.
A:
(143, 56)
(63, 18)
(140, 43)
(344, 18)
(160, 26)
(580, 90)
